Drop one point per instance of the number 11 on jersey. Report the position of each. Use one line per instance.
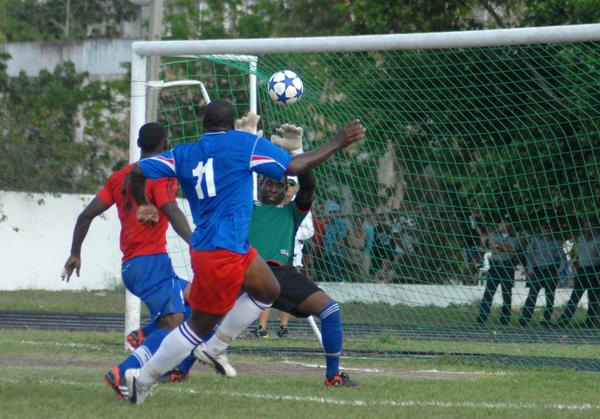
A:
(205, 170)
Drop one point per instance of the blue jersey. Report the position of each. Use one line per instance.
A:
(215, 173)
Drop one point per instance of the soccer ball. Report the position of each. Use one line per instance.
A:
(285, 87)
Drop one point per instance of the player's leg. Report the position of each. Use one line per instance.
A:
(507, 284)
(534, 289)
(136, 337)
(550, 285)
(153, 280)
(592, 283)
(262, 328)
(261, 289)
(301, 297)
(492, 282)
(218, 277)
(284, 319)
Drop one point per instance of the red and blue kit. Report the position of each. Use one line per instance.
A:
(136, 238)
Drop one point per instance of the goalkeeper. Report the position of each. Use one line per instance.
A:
(271, 233)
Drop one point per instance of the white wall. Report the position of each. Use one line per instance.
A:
(433, 295)
(102, 58)
(33, 257)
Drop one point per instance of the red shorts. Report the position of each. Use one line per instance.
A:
(218, 278)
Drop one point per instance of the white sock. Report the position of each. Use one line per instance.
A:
(176, 346)
(245, 311)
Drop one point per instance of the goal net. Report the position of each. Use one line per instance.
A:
(480, 168)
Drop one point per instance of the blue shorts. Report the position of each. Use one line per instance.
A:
(152, 279)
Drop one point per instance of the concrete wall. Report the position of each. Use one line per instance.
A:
(102, 58)
(33, 257)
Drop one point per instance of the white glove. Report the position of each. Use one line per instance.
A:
(290, 140)
(247, 123)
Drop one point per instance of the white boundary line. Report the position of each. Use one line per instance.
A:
(338, 402)
(322, 367)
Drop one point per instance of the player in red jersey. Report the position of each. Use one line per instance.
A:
(147, 270)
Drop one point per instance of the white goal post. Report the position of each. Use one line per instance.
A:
(257, 47)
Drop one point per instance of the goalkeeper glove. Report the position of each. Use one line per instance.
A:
(247, 123)
(290, 140)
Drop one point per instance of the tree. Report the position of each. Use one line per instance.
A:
(49, 20)
(39, 118)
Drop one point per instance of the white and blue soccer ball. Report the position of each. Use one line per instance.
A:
(285, 87)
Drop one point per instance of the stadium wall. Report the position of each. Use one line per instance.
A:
(35, 241)
(102, 58)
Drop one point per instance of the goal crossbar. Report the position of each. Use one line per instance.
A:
(432, 40)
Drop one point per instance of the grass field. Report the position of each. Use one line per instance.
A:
(58, 374)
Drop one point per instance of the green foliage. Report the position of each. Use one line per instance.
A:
(40, 118)
(561, 12)
(48, 20)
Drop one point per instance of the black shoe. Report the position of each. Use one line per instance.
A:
(261, 333)
(523, 322)
(283, 331)
(505, 321)
(546, 323)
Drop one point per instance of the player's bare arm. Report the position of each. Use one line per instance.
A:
(346, 136)
(146, 212)
(177, 220)
(73, 263)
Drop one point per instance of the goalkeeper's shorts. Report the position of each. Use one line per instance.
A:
(295, 289)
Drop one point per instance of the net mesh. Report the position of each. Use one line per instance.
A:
(475, 190)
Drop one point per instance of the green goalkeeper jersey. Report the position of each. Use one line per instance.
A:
(272, 230)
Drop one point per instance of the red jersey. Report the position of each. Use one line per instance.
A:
(138, 239)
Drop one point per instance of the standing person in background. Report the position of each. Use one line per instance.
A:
(314, 255)
(545, 256)
(335, 242)
(147, 270)
(473, 244)
(587, 278)
(503, 244)
(368, 227)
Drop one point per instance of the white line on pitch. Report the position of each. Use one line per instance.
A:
(285, 361)
(357, 403)
(397, 403)
(61, 344)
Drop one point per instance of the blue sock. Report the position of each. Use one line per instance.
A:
(332, 334)
(149, 329)
(187, 364)
(142, 354)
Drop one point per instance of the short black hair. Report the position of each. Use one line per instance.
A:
(151, 135)
(218, 116)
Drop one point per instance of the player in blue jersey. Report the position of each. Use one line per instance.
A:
(216, 175)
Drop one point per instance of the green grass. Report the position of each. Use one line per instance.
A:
(58, 375)
(113, 301)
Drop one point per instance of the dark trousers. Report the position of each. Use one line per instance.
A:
(543, 277)
(586, 279)
(503, 276)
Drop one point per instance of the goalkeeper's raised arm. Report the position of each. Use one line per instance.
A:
(346, 136)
